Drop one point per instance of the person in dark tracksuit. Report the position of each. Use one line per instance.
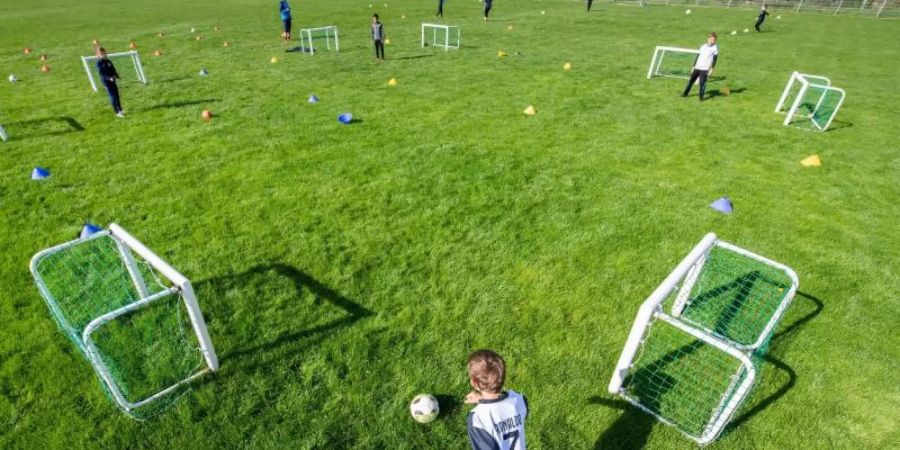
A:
(378, 37)
(762, 17)
(440, 11)
(589, 4)
(108, 76)
(487, 8)
(703, 65)
(284, 10)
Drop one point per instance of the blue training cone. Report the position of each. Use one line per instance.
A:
(40, 173)
(88, 230)
(313, 99)
(345, 118)
(722, 205)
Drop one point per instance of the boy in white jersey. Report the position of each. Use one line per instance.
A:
(498, 420)
(704, 65)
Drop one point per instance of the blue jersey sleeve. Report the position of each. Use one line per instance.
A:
(480, 439)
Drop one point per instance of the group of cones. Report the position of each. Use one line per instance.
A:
(44, 67)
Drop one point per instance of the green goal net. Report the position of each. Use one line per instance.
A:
(131, 315)
(692, 355)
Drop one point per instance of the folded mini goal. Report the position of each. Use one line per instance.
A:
(810, 100)
(693, 352)
(134, 317)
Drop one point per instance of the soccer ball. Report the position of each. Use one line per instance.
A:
(687, 12)
(746, 30)
(204, 72)
(12, 79)
(733, 32)
(424, 408)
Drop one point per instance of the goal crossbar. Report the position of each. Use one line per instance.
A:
(712, 316)
(89, 61)
(448, 31)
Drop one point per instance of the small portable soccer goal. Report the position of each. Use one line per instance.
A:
(446, 36)
(673, 62)
(693, 352)
(308, 36)
(810, 100)
(134, 317)
(132, 58)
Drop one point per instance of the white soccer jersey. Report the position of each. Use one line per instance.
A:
(706, 56)
(499, 424)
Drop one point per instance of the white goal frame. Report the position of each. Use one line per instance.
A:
(651, 311)
(127, 245)
(89, 61)
(447, 30)
(806, 81)
(658, 55)
(330, 32)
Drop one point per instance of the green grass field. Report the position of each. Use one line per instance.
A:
(344, 269)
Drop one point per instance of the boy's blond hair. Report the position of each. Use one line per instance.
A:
(487, 371)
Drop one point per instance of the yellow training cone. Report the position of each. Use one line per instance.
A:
(509, 27)
(387, 41)
(530, 111)
(811, 161)
(501, 54)
(274, 60)
(392, 82)
(567, 66)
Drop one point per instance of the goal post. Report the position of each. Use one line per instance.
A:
(329, 33)
(812, 98)
(446, 36)
(135, 317)
(674, 62)
(692, 354)
(90, 67)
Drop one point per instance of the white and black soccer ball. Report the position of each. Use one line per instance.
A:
(204, 72)
(12, 79)
(424, 408)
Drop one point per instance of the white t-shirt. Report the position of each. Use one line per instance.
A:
(705, 58)
(499, 424)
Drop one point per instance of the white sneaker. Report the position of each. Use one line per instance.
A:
(120, 114)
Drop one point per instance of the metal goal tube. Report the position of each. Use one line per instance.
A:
(187, 291)
(649, 307)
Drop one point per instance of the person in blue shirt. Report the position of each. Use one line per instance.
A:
(108, 76)
(285, 11)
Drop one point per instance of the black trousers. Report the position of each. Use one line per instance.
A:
(701, 74)
(487, 8)
(759, 22)
(379, 49)
(589, 3)
(440, 8)
(113, 90)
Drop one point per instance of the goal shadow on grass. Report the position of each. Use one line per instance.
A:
(280, 307)
(632, 428)
(42, 127)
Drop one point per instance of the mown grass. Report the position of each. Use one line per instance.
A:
(344, 269)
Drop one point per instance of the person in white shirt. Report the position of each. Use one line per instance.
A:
(498, 420)
(704, 65)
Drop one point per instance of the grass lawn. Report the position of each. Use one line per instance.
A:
(344, 269)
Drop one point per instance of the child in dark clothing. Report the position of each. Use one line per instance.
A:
(108, 76)
(378, 37)
(762, 18)
(284, 10)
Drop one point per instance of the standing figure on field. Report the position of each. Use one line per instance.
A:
(703, 65)
(440, 11)
(284, 10)
(378, 37)
(498, 419)
(487, 8)
(108, 76)
(762, 17)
